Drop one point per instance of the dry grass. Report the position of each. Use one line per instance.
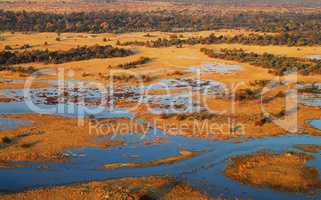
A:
(52, 135)
(125, 188)
(285, 171)
(273, 49)
(170, 63)
(309, 147)
(164, 59)
(235, 120)
(59, 6)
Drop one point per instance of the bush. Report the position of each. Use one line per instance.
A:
(133, 64)
(7, 47)
(204, 115)
(6, 140)
(263, 120)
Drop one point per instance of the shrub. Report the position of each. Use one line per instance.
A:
(6, 140)
(133, 64)
(7, 47)
(279, 65)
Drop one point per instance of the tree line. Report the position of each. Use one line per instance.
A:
(56, 57)
(289, 39)
(26, 70)
(163, 20)
(277, 64)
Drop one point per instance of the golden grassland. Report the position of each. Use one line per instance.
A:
(242, 123)
(19, 85)
(57, 6)
(287, 171)
(163, 59)
(66, 6)
(125, 188)
(238, 118)
(48, 137)
(164, 65)
(69, 40)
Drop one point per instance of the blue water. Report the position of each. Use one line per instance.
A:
(12, 123)
(66, 110)
(311, 100)
(216, 67)
(204, 171)
(314, 57)
(316, 123)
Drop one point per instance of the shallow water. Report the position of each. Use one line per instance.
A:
(47, 98)
(311, 99)
(314, 57)
(316, 123)
(204, 171)
(12, 123)
(221, 68)
(47, 101)
(66, 110)
(181, 102)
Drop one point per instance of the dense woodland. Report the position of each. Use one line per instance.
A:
(290, 39)
(113, 21)
(278, 64)
(80, 53)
